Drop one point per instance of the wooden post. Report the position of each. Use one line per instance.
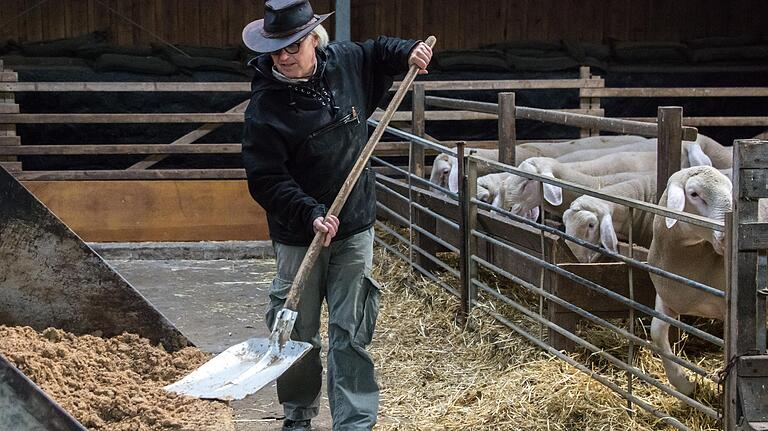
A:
(8, 131)
(587, 103)
(342, 26)
(417, 167)
(670, 123)
(507, 133)
(746, 237)
(468, 222)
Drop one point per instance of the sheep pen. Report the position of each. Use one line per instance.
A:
(437, 374)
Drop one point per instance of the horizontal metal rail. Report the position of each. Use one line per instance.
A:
(415, 177)
(417, 228)
(420, 207)
(598, 320)
(559, 117)
(584, 369)
(645, 206)
(629, 261)
(600, 352)
(417, 139)
(607, 292)
(434, 259)
(393, 250)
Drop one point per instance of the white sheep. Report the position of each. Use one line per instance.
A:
(601, 222)
(441, 167)
(522, 196)
(690, 251)
(721, 156)
(691, 153)
(489, 186)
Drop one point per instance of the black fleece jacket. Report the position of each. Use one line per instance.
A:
(300, 141)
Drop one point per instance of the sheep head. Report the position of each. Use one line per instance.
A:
(590, 219)
(441, 168)
(700, 190)
(522, 196)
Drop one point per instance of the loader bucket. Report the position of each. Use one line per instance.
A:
(49, 277)
(25, 407)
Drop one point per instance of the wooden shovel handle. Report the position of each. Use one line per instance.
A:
(294, 294)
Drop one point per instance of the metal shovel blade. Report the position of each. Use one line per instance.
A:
(241, 370)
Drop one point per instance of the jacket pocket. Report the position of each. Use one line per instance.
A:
(367, 325)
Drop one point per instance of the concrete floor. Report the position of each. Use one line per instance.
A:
(217, 303)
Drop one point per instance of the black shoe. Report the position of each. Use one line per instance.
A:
(291, 425)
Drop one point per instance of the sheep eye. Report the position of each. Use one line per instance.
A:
(694, 195)
(591, 225)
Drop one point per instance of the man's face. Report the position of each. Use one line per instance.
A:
(298, 65)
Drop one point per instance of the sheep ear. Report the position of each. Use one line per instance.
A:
(675, 201)
(535, 213)
(498, 201)
(552, 194)
(608, 234)
(697, 157)
(453, 178)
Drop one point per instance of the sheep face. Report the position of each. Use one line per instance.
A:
(590, 220)
(701, 190)
(521, 196)
(441, 168)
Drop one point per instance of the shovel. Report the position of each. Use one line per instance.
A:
(247, 367)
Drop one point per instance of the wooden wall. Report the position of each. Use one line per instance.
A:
(457, 23)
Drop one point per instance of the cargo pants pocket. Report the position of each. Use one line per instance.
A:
(364, 332)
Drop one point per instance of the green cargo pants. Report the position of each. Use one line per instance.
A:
(340, 277)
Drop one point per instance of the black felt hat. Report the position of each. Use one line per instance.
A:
(285, 22)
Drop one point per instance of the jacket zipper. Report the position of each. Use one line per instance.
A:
(349, 118)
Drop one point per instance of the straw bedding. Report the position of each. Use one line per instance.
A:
(436, 373)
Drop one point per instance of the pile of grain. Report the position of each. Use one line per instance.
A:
(115, 383)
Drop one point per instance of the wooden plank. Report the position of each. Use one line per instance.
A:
(212, 22)
(239, 87)
(11, 166)
(669, 144)
(508, 84)
(753, 236)
(104, 149)
(9, 108)
(439, 115)
(6, 76)
(155, 210)
(188, 138)
(33, 24)
(754, 182)
(614, 276)
(753, 154)
(676, 92)
(506, 128)
(165, 174)
(9, 140)
(121, 118)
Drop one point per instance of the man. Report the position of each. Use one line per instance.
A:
(304, 129)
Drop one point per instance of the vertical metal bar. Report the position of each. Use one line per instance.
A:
(471, 240)
(729, 388)
(465, 279)
(631, 351)
(762, 298)
(542, 271)
(670, 123)
(507, 134)
(343, 20)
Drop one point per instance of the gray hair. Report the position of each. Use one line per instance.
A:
(322, 37)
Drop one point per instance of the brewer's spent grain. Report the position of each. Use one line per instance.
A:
(113, 383)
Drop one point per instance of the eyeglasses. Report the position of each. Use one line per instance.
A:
(290, 49)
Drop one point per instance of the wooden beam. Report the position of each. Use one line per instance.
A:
(713, 121)
(165, 174)
(105, 149)
(676, 92)
(120, 118)
(669, 145)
